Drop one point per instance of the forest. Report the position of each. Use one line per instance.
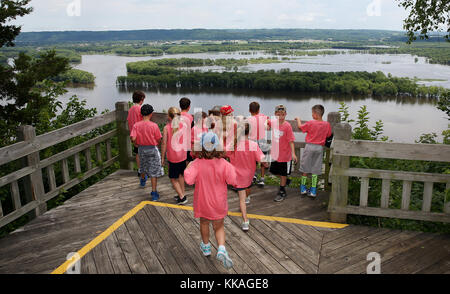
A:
(75, 76)
(362, 83)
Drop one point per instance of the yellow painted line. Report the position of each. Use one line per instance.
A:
(100, 238)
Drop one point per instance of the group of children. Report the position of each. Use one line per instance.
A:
(219, 150)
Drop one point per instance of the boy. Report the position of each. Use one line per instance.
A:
(134, 116)
(258, 126)
(317, 132)
(146, 135)
(188, 119)
(282, 151)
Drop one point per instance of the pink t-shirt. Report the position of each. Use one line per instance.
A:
(134, 115)
(282, 135)
(210, 178)
(257, 127)
(176, 144)
(147, 133)
(317, 132)
(244, 160)
(189, 117)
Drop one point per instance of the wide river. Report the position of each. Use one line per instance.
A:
(405, 119)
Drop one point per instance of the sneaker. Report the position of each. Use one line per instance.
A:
(312, 192)
(280, 197)
(245, 226)
(261, 183)
(206, 249)
(176, 197)
(144, 181)
(247, 200)
(303, 190)
(182, 201)
(155, 196)
(222, 255)
(255, 179)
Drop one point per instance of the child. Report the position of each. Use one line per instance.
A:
(185, 106)
(211, 174)
(258, 126)
(229, 127)
(146, 135)
(282, 151)
(197, 131)
(244, 158)
(176, 153)
(134, 116)
(317, 132)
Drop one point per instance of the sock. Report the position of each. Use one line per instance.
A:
(282, 188)
(304, 179)
(314, 181)
(221, 247)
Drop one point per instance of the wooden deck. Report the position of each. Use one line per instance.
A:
(166, 240)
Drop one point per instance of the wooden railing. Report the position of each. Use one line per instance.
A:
(343, 148)
(38, 176)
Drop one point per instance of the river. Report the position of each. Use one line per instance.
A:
(405, 119)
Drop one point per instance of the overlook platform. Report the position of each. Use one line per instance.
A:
(117, 230)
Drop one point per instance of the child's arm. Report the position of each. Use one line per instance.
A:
(294, 157)
(164, 146)
(299, 123)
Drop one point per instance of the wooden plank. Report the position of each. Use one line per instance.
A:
(51, 177)
(101, 259)
(15, 195)
(17, 175)
(116, 256)
(130, 251)
(393, 175)
(76, 158)
(192, 247)
(406, 195)
(108, 149)
(447, 199)
(158, 244)
(145, 251)
(171, 241)
(21, 149)
(426, 152)
(65, 170)
(1, 212)
(18, 213)
(88, 264)
(395, 213)
(364, 194)
(76, 149)
(385, 191)
(440, 267)
(427, 197)
(98, 152)
(87, 154)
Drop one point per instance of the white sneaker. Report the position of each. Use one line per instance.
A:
(245, 226)
(261, 183)
(247, 200)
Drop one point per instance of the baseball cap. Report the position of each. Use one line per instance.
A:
(280, 108)
(210, 141)
(226, 110)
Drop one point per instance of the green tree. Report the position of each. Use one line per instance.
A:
(426, 16)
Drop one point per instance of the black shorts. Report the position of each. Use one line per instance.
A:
(189, 157)
(243, 189)
(176, 169)
(281, 168)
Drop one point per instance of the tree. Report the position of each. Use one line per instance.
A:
(426, 16)
(27, 94)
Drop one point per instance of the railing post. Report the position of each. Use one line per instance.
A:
(33, 184)
(123, 135)
(339, 190)
(334, 118)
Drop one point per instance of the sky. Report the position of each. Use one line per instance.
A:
(100, 15)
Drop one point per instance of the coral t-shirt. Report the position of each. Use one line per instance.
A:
(176, 144)
(189, 117)
(317, 132)
(134, 116)
(147, 133)
(210, 178)
(244, 160)
(282, 135)
(257, 127)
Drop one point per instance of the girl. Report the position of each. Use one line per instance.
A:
(211, 173)
(173, 145)
(244, 157)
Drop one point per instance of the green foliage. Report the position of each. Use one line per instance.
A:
(76, 76)
(9, 11)
(426, 16)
